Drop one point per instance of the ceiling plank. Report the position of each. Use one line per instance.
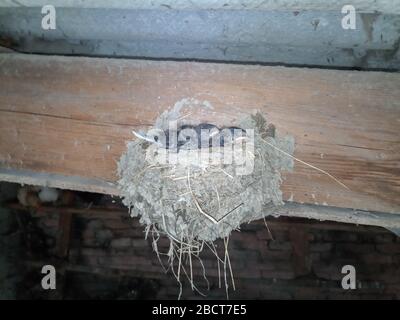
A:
(71, 117)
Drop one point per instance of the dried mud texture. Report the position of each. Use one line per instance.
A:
(193, 201)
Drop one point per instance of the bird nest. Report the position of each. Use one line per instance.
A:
(198, 189)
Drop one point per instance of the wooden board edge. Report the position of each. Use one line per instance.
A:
(290, 209)
(57, 181)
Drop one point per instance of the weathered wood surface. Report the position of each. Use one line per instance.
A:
(71, 116)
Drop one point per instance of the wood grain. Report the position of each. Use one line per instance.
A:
(72, 116)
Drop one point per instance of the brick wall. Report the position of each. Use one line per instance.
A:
(108, 257)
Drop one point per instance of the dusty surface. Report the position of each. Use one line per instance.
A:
(388, 6)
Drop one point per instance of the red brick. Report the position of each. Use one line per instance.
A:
(390, 248)
(121, 243)
(278, 245)
(355, 247)
(377, 258)
(278, 274)
(319, 247)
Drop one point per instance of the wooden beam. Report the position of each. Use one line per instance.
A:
(52, 180)
(71, 117)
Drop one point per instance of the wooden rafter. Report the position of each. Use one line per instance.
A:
(64, 121)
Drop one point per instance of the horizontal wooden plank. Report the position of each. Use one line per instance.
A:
(54, 180)
(72, 116)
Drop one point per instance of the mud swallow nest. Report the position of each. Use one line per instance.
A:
(191, 193)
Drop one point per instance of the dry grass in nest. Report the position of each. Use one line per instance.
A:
(196, 200)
